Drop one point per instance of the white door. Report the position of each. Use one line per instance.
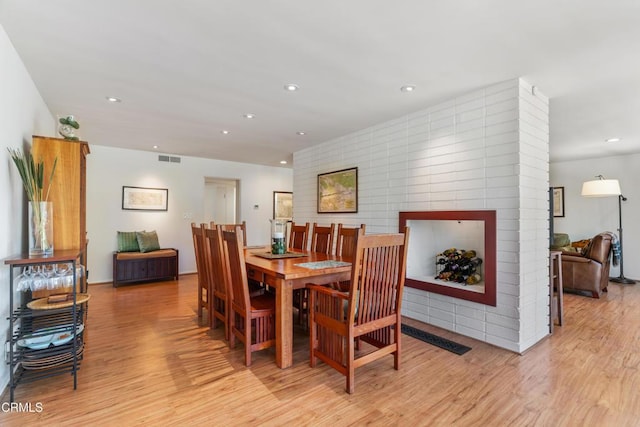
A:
(220, 201)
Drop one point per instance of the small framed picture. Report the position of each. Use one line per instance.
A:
(144, 199)
(283, 205)
(558, 202)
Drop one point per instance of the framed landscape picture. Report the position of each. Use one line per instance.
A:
(338, 191)
(144, 199)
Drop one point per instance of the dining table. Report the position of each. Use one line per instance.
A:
(285, 273)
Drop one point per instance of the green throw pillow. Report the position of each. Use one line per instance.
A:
(128, 241)
(148, 241)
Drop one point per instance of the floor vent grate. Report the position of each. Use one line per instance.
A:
(443, 343)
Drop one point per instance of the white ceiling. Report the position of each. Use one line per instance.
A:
(186, 70)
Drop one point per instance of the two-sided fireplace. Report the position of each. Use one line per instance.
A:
(460, 234)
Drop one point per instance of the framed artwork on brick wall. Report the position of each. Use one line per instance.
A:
(338, 191)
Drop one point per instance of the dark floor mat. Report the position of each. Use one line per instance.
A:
(443, 343)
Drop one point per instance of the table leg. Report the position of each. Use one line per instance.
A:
(284, 324)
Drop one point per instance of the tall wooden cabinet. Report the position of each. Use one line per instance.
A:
(69, 189)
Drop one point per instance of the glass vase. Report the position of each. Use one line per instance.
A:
(278, 230)
(40, 228)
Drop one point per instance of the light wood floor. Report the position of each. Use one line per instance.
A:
(148, 362)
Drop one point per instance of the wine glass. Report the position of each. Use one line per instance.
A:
(23, 280)
(39, 280)
(62, 269)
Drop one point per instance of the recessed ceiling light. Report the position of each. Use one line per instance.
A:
(224, 132)
(291, 87)
(612, 140)
(283, 162)
(300, 133)
(113, 99)
(408, 88)
(155, 147)
(249, 116)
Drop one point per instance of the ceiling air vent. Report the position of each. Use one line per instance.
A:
(170, 159)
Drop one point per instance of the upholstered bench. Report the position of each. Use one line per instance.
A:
(129, 267)
(139, 258)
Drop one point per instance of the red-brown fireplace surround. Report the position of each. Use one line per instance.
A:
(488, 218)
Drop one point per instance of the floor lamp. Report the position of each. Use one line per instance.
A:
(605, 188)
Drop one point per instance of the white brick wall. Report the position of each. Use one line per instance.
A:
(488, 149)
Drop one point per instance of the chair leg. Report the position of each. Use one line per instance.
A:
(301, 301)
(350, 374)
(247, 341)
(247, 354)
(227, 321)
(232, 335)
(210, 315)
(396, 354)
(313, 331)
(304, 308)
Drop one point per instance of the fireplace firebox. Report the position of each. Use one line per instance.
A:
(458, 232)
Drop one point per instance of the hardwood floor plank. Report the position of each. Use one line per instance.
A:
(149, 361)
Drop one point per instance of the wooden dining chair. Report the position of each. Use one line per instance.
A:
(321, 241)
(232, 227)
(369, 312)
(346, 240)
(204, 291)
(252, 319)
(299, 236)
(219, 285)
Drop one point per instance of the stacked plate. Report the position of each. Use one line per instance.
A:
(34, 361)
(53, 336)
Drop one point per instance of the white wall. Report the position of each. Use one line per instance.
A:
(108, 169)
(23, 114)
(586, 216)
(485, 150)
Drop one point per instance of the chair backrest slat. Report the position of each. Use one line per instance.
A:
(299, 236)
(322, 238)
(346, 240)
(232, 227)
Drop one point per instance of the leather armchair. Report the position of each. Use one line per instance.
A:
(588, 272)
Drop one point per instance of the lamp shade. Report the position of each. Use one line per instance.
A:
(601, 188)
